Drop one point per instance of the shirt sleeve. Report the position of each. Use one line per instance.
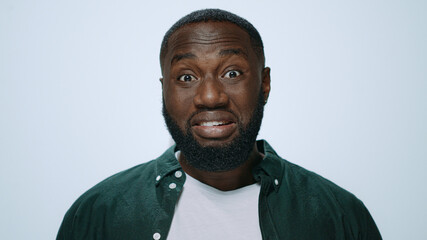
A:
(370, 229)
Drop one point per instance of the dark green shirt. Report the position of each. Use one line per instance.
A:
(293, 204)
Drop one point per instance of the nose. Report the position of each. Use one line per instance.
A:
(210, 94)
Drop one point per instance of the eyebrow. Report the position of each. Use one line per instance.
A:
(222, 53)
(233, 51)
(178, 57)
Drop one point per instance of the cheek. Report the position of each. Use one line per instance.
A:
(178, 104)
(245, 99)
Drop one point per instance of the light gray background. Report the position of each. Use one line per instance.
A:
(80, 100)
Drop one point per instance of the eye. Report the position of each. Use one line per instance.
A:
(186, 78)
(232, 74)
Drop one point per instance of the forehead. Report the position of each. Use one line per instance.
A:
(208, 36)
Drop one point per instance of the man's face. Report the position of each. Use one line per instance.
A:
(213, 83)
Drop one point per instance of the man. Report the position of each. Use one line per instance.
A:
(218, 182)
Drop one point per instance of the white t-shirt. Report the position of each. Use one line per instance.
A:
(205, 213)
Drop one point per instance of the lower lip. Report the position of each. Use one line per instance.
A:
(215, 132)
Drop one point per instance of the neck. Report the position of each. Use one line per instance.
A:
(227, 180)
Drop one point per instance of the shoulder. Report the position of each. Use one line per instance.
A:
(119, 205)
(305, 182)
(326, 200)
(118, 184)
(129, 183)
(305, 197)
(321, 201)
(108, 202)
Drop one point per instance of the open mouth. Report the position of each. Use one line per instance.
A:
(213, 123)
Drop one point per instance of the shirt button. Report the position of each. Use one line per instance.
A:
(158, 178)
(276, 182)
(172, 186)
(156, 236)
(178, 174)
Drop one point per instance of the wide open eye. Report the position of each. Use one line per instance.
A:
(232, 74)
(186, 78)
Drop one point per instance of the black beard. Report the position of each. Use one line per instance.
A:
(227, 157)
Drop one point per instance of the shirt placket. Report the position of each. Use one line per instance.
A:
(168, 189)
(267, 226)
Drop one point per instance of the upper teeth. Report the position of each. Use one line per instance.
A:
(210, 124)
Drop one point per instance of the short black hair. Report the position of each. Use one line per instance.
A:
(215, 15)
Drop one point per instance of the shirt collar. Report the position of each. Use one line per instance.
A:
(271, 165)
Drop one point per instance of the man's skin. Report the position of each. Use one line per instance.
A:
(211, 73)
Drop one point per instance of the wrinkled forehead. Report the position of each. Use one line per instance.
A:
(207, 35)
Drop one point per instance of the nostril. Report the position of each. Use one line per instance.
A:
(210, 94)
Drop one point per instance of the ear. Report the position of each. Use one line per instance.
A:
(161, 82)
(266, 83)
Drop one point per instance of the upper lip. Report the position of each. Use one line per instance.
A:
(218, 116)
